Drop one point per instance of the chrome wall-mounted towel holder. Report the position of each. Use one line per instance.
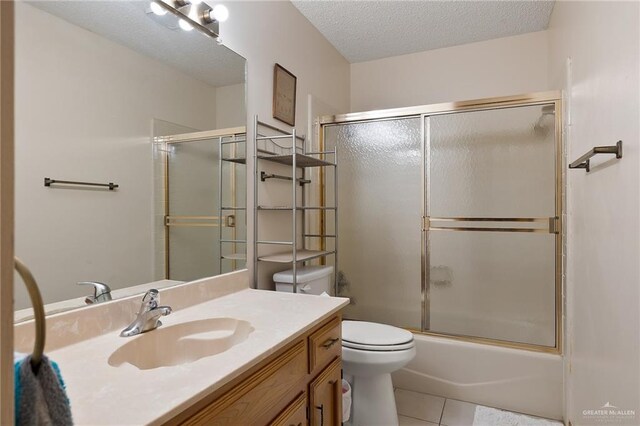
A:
(264, 176)
(38, 312)
(583, 162)
(49, 182)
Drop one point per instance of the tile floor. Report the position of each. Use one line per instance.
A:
(419, 409)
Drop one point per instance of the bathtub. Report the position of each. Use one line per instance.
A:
(517, 380)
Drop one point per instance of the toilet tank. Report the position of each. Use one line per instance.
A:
(310, 279)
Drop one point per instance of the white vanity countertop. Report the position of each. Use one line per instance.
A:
(104, 395)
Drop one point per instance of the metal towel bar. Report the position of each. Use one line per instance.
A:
(49, 182)
(583, 162)
(264, 176)
(38, 312)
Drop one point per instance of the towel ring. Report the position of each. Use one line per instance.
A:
(38, 312)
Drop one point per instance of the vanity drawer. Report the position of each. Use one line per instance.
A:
(295, 414)
(254, 400)
(325, 344)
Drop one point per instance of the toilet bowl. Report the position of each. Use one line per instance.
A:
(370, 353)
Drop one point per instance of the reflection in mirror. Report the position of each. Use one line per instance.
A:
(106, 93)
(193, 164)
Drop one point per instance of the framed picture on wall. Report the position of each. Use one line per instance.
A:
(284, 95)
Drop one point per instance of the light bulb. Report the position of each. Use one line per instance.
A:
(220, 13)
(185, 25)
(157, 9)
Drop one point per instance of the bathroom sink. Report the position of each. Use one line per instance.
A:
(181, 343)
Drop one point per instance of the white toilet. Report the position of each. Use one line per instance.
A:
(370, 353)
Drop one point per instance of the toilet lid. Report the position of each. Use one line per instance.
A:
(374, 336)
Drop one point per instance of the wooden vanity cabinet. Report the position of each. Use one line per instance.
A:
(299, 385)
(295, 414)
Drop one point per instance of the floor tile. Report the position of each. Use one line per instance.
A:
(458, 413)
(410, 421)
(419, 405)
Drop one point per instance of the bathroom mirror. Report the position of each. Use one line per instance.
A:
(108, 93)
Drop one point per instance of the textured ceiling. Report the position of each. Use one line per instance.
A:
(366, 30)
(126, 23)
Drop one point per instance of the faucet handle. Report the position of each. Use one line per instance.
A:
(101, 292)
(150, 300)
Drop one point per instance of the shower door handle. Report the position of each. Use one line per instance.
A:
(230, 221)
(551, 225)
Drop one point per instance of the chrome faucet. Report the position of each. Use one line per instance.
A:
(101, 292)
(148, 318)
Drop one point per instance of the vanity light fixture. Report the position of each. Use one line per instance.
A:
(189, 14)
(220, 12)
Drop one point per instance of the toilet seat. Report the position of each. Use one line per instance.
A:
(378, 348)
(369, 336)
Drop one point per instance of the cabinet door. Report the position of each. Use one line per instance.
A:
(325, 394)
(295, 414)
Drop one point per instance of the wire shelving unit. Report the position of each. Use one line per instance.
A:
(271, 148)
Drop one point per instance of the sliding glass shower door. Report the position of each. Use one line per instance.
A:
(192, 198)
(450, 218)
(491, 224)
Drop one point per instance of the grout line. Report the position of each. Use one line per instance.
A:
(417, 418)
(423, 393)
(442, 413)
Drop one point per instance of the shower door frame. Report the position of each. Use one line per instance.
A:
(556, 224)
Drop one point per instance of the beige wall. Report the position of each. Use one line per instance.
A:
(602, 98)
(84, 107)
(266, 33)
(231, 106)
(500, 67)
(275, 31)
